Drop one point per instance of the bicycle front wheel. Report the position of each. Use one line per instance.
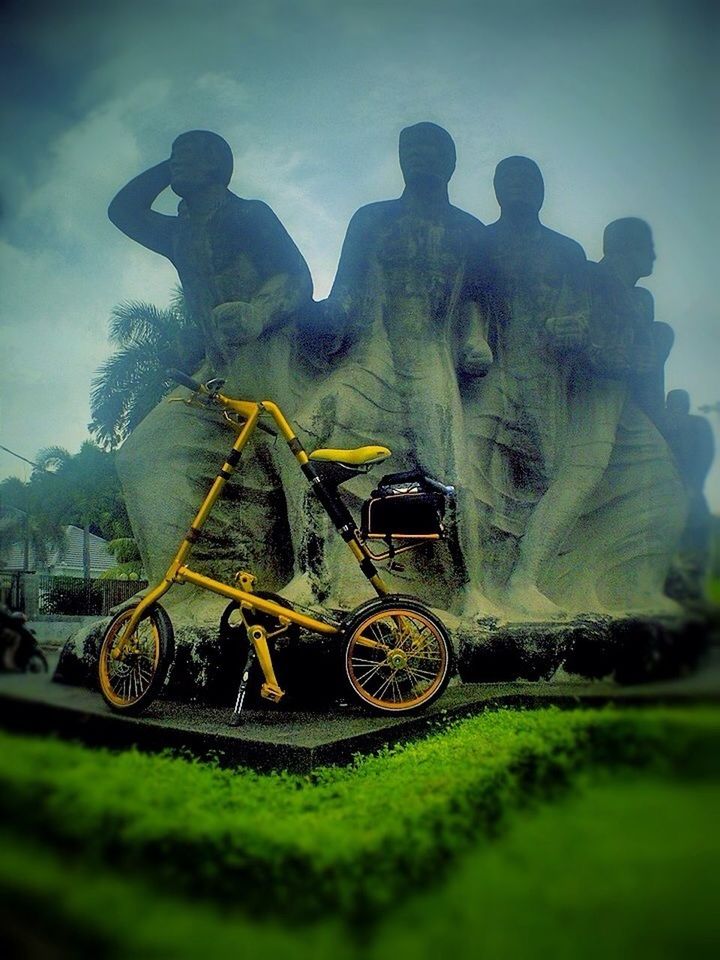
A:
(398, 657)
(131, 681)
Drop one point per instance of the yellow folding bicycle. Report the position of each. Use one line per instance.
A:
(397, 653)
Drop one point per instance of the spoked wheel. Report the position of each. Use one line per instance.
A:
(398, 657)
(131, 681)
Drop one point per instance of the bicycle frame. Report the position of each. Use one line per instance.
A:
(179, 572)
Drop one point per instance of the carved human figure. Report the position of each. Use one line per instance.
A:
(618, 553)
(531, 287)
(691, 440)
(629, 254)
(243, 279)
(239, 269)
(391, 326)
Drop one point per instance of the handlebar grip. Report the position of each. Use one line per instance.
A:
(446, 489)
(179, 377)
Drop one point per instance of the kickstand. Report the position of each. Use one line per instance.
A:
(235, 719)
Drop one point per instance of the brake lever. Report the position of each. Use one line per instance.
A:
(238, 425)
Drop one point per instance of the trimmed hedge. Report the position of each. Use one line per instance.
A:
(351, 840)
(625, 867)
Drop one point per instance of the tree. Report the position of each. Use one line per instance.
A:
(82, 489)
(133, 380)
(128, 563)
(25, 519)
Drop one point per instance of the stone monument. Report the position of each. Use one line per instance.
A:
(394, 324)
(244, 281)
(691, 440)
(495, 358)
(522, 420)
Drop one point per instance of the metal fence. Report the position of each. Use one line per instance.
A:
(41, 595)
(12, 589)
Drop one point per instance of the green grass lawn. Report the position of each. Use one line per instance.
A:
(523, 833)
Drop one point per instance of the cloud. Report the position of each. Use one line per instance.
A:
(311, 97)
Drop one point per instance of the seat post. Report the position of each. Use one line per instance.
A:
(345, 525)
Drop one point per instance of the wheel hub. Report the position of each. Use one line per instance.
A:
(397, 659)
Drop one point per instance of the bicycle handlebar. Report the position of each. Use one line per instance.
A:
(446, 489)
(185, 380)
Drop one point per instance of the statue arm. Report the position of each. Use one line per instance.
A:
(131, 210)
(474, 355)
(353, 264)
(286, 284)
(327, 327)
(644, 356)
(706, 450)
(569, 325)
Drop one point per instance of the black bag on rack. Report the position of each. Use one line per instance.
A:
(406, 505)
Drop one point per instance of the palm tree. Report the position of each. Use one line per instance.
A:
(132, 381)
(24, 520)
(80, 489)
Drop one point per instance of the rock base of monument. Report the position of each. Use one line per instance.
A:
(629, 650)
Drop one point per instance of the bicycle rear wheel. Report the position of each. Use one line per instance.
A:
(398, 657)
(130, 682)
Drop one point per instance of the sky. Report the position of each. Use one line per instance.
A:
(618, 103)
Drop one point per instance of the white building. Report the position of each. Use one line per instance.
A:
(66, 562)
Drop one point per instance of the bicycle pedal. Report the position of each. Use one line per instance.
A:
(272, 693)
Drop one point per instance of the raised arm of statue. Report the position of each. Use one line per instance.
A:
(131, 210)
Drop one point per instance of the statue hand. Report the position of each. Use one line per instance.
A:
(236, 322)
(568, 332)
(476, 359)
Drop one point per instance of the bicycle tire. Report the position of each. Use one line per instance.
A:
(398, 655)
(131, 683)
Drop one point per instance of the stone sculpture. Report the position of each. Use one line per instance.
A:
(392, 326)
(530, 286)
(619, 551)
(244, 280)
(691, 440)
(496, 358)
(628, 245)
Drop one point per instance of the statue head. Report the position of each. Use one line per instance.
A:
(630, 240)
(427, 154)
(678, 401)
(199, 159)
(519, 184)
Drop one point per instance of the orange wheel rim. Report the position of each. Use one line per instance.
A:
(125, 680)
(396, 659)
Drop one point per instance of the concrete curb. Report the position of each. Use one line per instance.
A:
(280, 740)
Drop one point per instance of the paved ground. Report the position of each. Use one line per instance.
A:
(275, 739)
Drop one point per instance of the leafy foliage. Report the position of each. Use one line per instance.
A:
(26, 520)
(129, 562)
(133, 380)
(64, 489)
